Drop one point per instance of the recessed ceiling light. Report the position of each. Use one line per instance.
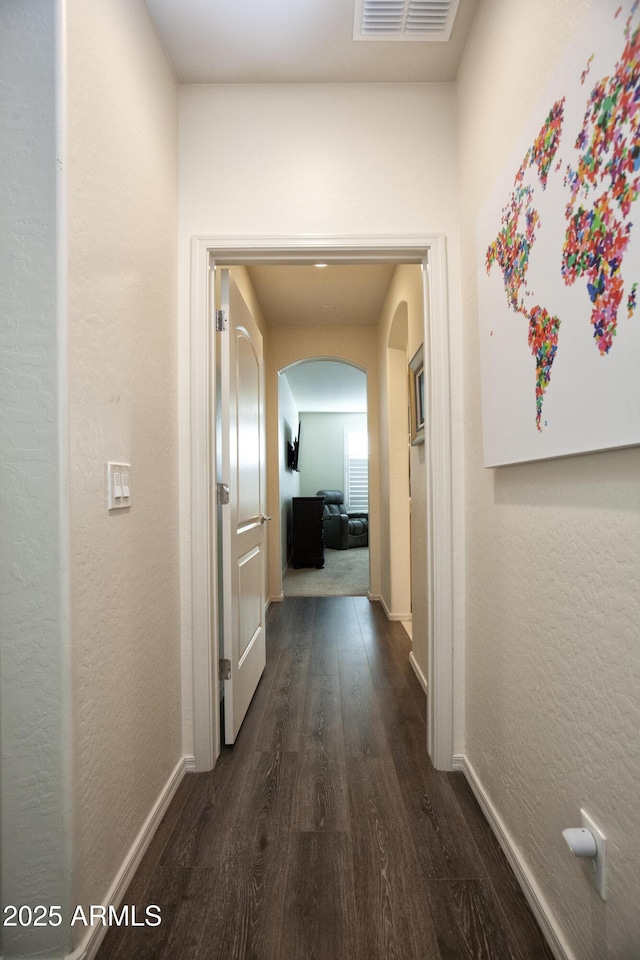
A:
(320, 264)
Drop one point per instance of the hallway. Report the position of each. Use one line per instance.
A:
(324, 832)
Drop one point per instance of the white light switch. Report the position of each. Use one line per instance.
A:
(118, 485)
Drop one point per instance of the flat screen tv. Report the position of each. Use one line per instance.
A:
(293, 452)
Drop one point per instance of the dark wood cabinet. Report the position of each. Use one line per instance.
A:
(308, 540)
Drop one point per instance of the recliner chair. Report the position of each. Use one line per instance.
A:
(341, 529)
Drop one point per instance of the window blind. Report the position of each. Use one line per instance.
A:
(356, 471)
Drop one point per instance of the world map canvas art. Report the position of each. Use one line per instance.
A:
(559, 260)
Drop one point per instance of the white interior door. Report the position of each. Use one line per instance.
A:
(243, 519)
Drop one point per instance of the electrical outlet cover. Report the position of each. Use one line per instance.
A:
(596, 868)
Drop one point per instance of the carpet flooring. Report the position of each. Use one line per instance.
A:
(345, 574)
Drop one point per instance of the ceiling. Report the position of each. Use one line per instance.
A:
(338, 294)
(296, 41)
(326, 386)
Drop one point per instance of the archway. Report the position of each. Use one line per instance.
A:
(322, 402)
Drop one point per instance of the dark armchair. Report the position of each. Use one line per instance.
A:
(341, 529)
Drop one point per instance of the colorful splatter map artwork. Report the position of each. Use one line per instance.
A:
(512, 249)
(601, 188)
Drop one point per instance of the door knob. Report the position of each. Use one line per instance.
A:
(264, 518)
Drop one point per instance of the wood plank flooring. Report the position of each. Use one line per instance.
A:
(325, 833)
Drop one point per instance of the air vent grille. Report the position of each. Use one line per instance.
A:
(404, 19)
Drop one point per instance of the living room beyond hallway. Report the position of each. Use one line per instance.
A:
(345, 574)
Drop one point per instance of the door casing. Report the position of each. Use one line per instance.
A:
(428, 250)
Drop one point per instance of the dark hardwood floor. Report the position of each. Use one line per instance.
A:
(325, 833)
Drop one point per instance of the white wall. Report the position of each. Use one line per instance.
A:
(553, 565)
(322, 450)
(316, 159)
(288, 420)
(122, 227)
(34, 794)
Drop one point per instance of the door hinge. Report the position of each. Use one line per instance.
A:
(224, 669)
(222, 319)
(222, 493)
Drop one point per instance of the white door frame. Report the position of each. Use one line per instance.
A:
(430, 251)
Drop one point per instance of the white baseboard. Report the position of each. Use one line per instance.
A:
(418, 672)
(95, 935)
(388, 614)
(535, 898)
(384, 607)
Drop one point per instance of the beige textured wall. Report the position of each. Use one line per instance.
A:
(553, 565)
(34, 787)
(313, 159)
(122, 227)
(401, 331)
(418, 471)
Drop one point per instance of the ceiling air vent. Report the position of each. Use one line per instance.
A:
(404, 19)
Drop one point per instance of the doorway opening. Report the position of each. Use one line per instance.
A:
(322, 417)
(437, 578)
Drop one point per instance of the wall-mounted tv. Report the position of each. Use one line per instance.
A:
(293, 452)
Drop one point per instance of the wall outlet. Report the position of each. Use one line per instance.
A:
(596, 868)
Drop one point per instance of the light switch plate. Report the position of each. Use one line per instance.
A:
(118, 483)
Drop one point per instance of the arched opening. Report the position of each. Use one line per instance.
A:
(323, 446)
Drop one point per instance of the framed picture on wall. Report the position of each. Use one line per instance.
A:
(416, 396)
(558, 260)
